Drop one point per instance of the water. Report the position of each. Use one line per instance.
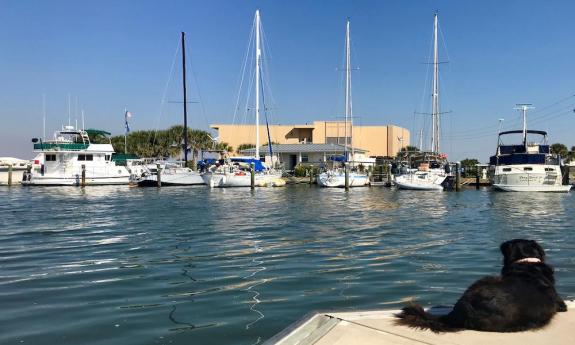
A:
(119, 265)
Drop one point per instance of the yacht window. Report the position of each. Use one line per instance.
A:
(528, 169)
(89, 157)
(51, 158)
(549, 169)
(506, 169)
(108, 157)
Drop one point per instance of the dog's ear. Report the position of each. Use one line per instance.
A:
(539, 250)
(506, 249)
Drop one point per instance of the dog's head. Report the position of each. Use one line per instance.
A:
(518, 249)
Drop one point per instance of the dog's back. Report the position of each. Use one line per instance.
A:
(524, 297)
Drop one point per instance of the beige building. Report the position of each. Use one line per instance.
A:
(377, 141)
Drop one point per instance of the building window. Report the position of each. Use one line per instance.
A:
(50, 158)
(337, 140)
(304, 158)
(262, 158)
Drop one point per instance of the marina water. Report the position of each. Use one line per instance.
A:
(120, 265)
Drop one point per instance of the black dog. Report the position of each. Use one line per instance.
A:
(522, 298)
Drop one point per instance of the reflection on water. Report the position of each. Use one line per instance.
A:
(120, 265)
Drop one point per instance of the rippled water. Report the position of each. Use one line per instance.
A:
(119, 265)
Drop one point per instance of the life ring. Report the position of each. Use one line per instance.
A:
(240, 173)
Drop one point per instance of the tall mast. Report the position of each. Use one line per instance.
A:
(435, 95)
(258, 56)
(348, 101)
(185, 99)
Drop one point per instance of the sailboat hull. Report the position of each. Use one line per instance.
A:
(338, 180)
(222, 180)
(178, 177)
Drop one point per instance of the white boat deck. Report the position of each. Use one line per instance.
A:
(377, 327)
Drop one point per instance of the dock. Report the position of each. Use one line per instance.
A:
(377, 327)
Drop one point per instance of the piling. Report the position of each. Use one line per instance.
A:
(252, 175)
(10, 174)
(159, 175)
(457, 176)
(346, 168)
(389, 175)
(370, 175)
(310, 176)
(476, 177)
(83, 183)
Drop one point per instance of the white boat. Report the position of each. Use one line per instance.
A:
(528, 166)
(172, 174)
(430, 174)
(236, 170)
(421, 180)
(17, 166)
(70, 154)
(335, 177)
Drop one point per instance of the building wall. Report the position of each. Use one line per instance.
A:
(377, 140)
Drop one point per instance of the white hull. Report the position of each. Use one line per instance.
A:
(533, 188)
(222, 180)
(337, 179)
(540, 178)
(420, 181)
(76, 181)
(177, 177)
(16, 175)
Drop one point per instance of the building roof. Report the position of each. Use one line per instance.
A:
(303, 148)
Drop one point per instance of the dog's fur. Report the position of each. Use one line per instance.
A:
(522, 298)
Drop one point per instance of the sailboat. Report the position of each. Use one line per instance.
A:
(431, 170)
(335, 177)
(527, 167)
(172, 173)
(236, 171)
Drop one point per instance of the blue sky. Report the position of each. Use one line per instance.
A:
(109, 55)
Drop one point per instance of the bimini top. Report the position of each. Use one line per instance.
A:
(520, 131)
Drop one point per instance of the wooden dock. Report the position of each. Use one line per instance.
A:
(377, 327)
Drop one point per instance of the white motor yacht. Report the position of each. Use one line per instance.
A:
(70, 154)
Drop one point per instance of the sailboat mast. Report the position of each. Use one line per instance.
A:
(185, 99)
(523, 108)
(348, 113)
(258, 56)
(435, 95)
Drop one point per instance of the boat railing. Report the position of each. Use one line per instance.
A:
(60, 146)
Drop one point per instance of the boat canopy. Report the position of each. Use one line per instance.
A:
(258, 165)
(97, 132)
(519, 131)
(518, 158)
(337, 158)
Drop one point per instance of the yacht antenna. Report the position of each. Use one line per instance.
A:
(44, 117)
(523, 107)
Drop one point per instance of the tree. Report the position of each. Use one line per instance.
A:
(559, 149)
(242, 147)
(408, 151)
(469, 166)
(223, 146)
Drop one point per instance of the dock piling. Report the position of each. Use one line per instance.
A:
(457, 176)
(346, 168)
(477, 177)
(253, 175)
(83, 183)
(9, 174)
(310, 176)
(159, 174)
(389, 175)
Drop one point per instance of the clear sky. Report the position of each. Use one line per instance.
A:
(109, 55)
